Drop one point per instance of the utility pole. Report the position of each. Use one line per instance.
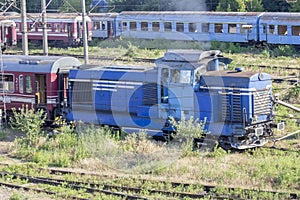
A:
(84, 34)
(24, 28)
(45, 34)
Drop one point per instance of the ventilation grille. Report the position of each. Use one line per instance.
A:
(231, 107)
(262, 102)
(82, 93)
(150, 94)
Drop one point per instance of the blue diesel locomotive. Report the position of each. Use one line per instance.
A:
(236, 105)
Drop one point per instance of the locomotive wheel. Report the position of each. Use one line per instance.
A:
(224, 143)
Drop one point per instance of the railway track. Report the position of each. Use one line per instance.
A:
(152, 60)
(134, 192)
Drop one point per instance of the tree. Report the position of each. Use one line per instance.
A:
(254, 6)
(276, 5)
(231, 5)
(295, 7)
(73, 5)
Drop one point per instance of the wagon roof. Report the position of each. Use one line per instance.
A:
(57, 17)
(190, 13)
(280, 16)
(102, 16)
(38, 64)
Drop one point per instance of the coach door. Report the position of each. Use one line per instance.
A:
(40, 90)
(70, 32)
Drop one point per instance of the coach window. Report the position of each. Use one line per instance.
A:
(21, 84)
(282, 30)
(264, 28)
(168, 26)
(57, 27)
(205, 27)
(31, 27)
(296, 30)
(218, 28)
(179, 26)
(49, 27)
(155, 26)
(125, 27)
(96, 25)
(7, 83)
(232, 28)
(28, 84)
(192, 27)
(40, 27)
(18, 27)
(133, 26)
(272, 29)
(144, 26)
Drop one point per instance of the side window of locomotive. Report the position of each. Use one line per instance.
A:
(21, 84)
(133, 26)
(28, 84)
(144, 26)
(181, 76)
(180, 27)
(7, 83)
(282, 30)
(205, 27)
(192, 27)
(165, 75)
(296, 30)
(218, 28)
(168, 26)
(232, 28)
(155, 26)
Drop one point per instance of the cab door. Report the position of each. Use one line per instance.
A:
(176, 94)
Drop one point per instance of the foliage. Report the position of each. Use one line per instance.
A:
(231, 5)
(60, 149)
(276, 5)
(254, 6)
(295, 6)
(284, 50)
(186, 132)
(29, 122)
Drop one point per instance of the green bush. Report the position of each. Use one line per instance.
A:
(60, 149)
(186, 132)
(29, 122)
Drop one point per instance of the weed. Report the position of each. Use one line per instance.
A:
(186, 132)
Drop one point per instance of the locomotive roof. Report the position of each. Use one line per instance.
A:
(237, 75)
(125, 68)
(39, 64)
(189, 59)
